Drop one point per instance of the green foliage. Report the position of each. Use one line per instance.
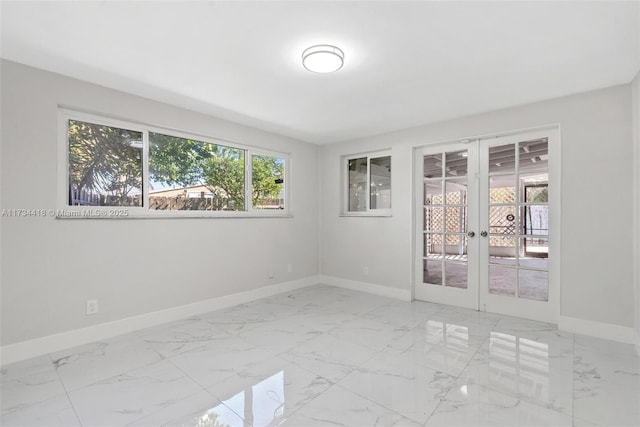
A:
(109, 160)
(104, 159)
(225, 171)
(265, 172)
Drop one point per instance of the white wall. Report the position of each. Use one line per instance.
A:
(636, 212)
(51, 267)
(597, 264)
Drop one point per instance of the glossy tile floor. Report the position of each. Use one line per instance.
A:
(324, 356)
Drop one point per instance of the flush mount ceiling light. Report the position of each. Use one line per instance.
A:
(323, 58)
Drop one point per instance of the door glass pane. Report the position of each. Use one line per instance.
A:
(534, 252)
(534, 155)
(433, 192)
(456, 163)
(536, 220)
(434, 215)
(502, 158)
(433, 245)
(357, 184)
(502, 189)
(433, 166)
(456, 274)
(455, 191)
(456, 219)
(502, 280)
(533, 284)
(502, 250)
(455, 246)
(534, 187)
(432, 272)
(380, 171)
(502, 220)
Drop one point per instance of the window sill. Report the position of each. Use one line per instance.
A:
(117, 213)
(385, 214)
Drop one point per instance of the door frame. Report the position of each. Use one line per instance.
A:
(552, 132)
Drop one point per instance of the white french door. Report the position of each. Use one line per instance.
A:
(486, 211)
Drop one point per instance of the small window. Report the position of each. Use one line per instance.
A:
(368, 185)
(105, 165)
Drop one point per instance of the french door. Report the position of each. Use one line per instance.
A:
(485, 217)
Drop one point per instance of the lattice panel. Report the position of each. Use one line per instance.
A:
(502, 219)
(502, 195)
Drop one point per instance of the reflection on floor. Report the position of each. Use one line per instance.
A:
(324, 356)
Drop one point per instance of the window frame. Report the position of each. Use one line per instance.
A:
(368, 212)
(66, 211)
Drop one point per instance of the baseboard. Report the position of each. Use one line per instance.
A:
(607, 331)
(371, 288)
(51, 343)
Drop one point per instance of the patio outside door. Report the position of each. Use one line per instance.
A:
(485, 226)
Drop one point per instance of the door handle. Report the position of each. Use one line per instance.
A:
(483, 233)
(471, 234)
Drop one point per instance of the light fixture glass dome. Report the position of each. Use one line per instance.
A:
(323, 58)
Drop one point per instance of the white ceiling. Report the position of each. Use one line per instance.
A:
(406, 63)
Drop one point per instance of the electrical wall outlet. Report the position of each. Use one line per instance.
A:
(92, 307)
(289, 268)
(365, 271)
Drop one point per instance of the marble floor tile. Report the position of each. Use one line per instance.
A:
(278, 336)
(400, 314)
(606, 383)
(469, 404)
(55, 412)
(270, 391)
(340, 407)
(28, 382)
(329, 357)
(451, 357)
(524, 370)
(395, 381)
(87, 364)
(182, 336)
(129, 397)
(200, 409)
(220, 360)
(326, 356)
(369, 333)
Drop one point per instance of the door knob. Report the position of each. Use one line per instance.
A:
(471, 234)
(483, 233)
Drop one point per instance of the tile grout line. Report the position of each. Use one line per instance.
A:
(75, 412)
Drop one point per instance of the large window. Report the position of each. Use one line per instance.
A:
(152, 172)
(368, 185)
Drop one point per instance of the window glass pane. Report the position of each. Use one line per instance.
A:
(105, 165)
(380, 183)
(267, 176)
(186, 174)
(357, 184)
